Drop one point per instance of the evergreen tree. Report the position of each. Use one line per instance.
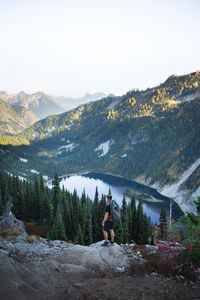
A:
(118, 232)
(83, 197)
(36, 212)
(58, 231)
(1, 207)
(198, 205)
(129, 214)
(163, 223)
(134, 219)
(67, 217)
(42, 199)
(41, 184)
(28, 201)
(4, 187)
(17, 198)
(56, 193)
(140, 222)
(74, 215)
(124, 218)
(80, 238)
(146, 234)
(88, 225)
(95, 216)
(101, 213)
(46, 216)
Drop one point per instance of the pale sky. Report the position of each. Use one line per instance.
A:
(70, 47)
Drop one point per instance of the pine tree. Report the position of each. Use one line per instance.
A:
(118, 232)
(67, 217)
(101, 213)
(198, 205)
(41, 184)
(80, 238)
(42, 199)
(146, 234)
(17, 198)
(28, 200)
(129, 214)
(83, 197)
(140, 222)
(46, 216)
(95, 216)
(74, 215)
(163, 223)
(56, 193)
(1, 207)
(88, 224)
(134, 219)
(4, 187)
(124, 218)
(58, 231)
(36, 212)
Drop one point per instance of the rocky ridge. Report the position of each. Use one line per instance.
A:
(42, 269)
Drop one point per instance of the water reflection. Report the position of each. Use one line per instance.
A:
(152, 204)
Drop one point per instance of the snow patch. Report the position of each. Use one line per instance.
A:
(124, 155)
(114, 103)
(36, 134)
(45, 177)
(22, 178)
(182, 197)
(50, 131)
(24, 160)
(69, 147)
(34, 171)
(144, 140)
(104, 148)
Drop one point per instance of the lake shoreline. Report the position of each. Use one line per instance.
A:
(142, 182)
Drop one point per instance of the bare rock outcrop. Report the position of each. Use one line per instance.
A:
(10, 226)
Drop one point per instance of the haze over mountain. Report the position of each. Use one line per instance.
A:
(43, 105)
(13, 119)
(150, 136)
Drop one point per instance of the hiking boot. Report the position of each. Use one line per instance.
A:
(104, 244)
(112, 243)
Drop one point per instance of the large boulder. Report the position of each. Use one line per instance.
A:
(10, 226)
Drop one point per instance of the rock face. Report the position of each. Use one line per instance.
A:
(59, 270)
(10, 226)
(35, 270)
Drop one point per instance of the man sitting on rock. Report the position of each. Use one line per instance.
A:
(107, 224)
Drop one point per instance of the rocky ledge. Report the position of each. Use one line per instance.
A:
(42, 269)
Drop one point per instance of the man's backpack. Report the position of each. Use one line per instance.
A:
(114, 210)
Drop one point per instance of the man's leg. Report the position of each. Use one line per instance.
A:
(105, 235)
(112, 235)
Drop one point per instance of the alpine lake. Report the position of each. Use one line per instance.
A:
(153, 201)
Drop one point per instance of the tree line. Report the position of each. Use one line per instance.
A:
(68, 216)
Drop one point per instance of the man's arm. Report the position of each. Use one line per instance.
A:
(105, 218)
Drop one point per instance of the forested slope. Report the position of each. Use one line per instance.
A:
(154, 133)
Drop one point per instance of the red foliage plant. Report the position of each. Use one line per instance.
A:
(36, 229)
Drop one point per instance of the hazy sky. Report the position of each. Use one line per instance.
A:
(70, 47)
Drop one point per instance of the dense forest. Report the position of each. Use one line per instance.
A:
(153, 133)
(67, 217)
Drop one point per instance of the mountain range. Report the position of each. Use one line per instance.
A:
(43, 105)
(151, 136)
(14, 119)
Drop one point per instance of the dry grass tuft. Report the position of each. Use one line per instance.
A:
(9, 233)
(32, 238)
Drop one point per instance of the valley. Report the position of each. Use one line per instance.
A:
(152, 136)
